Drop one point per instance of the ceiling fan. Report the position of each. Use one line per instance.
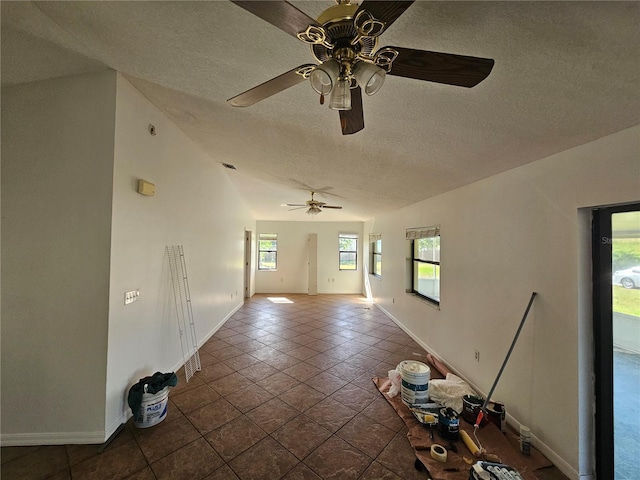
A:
(314, 206)
(344, 40)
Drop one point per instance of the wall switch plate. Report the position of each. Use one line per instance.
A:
(132, 296)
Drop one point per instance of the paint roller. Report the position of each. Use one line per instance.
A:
(483, 410)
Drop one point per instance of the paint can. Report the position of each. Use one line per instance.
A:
(448, 424)
(471, 406)
(153, 408)
(415, 382)
(497, 414)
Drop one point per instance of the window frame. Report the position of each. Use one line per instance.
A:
(350, 236)
(260, 251)
(417, 261)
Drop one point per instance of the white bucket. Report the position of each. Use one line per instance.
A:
(415, 382)
(153, 408)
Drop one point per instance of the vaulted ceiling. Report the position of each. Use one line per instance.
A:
(565, 73)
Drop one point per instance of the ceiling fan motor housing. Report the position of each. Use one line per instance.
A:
(337, 21)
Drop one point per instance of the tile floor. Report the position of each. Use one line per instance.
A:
(285, 391)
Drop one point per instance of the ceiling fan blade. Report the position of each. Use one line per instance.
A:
(280, 14)
(385, 11)
(352, 121)
(330, 206)
(294, 205)
(270, 87)
(440, 67)
(297, 208)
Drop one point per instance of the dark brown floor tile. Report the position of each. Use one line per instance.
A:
(195, 398)
(380, 411)
(268, 460)
(363, 361)
(236, 339)
(8, 454)
(249, 398)
(302, 371)
(301, 472)
(235, 437)
(184, 386)
(144, 474)
(206, 359)
(282, 361)
(301, 397)
(272, 415)
(214, 372)
(301, 436)
(322, 361)
(117, 463)
(366, 435)
(194, 460)
(378, 472)
(303, 339)
(38, 463)
(222, 473)
(346, 371)
(213, 345)
(331, 414)
(265, 353)
(399, 457)
(165, 438)
(336, 459)
(227, 352)
(241, 361)
(212, 416)
(278, 383)
(250, 346)
(258, 371)
(302, 353)
(354, 397)
(326, 383)
(230, 384)
(79, 453)
(366, 381)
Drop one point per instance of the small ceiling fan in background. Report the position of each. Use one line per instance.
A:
(314, 206)
(344, 40)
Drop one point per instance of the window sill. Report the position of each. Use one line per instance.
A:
(420, 298)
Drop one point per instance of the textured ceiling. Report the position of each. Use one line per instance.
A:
(565, 73)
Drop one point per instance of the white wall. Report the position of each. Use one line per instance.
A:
(76, 236)
(292, 275)
(57, 166)
(503, 238)
(196, 206)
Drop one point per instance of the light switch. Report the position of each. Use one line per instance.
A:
(132, 296)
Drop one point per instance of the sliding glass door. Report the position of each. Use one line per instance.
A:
(616, 295)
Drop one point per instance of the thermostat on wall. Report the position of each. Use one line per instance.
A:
(146, 188)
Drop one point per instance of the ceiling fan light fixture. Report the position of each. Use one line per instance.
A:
(369, 76)
(324, 76)
(313, 210)
(341, 95)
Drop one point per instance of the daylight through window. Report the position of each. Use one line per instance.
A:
(348, 251)
(267, 251)
(375, 250)
(426, 262)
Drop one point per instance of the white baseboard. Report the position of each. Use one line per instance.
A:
(543, 448)
(57, 438)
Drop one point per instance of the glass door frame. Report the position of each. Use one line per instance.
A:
(601, 251)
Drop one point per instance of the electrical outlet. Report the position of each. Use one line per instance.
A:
(477, 356)
(132, 296)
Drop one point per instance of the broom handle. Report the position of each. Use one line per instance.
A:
(513, 344)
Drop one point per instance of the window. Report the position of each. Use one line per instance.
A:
(267, 251)
(348, 251)
(425, 247)
(375, 251)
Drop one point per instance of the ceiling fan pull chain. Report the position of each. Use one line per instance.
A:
(322, 99)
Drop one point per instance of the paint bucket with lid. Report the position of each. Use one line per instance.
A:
(415, 382)
(448, 424)
(471, 406)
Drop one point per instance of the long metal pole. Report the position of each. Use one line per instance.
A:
(486, 402)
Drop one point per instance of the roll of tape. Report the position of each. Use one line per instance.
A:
(438, 453)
